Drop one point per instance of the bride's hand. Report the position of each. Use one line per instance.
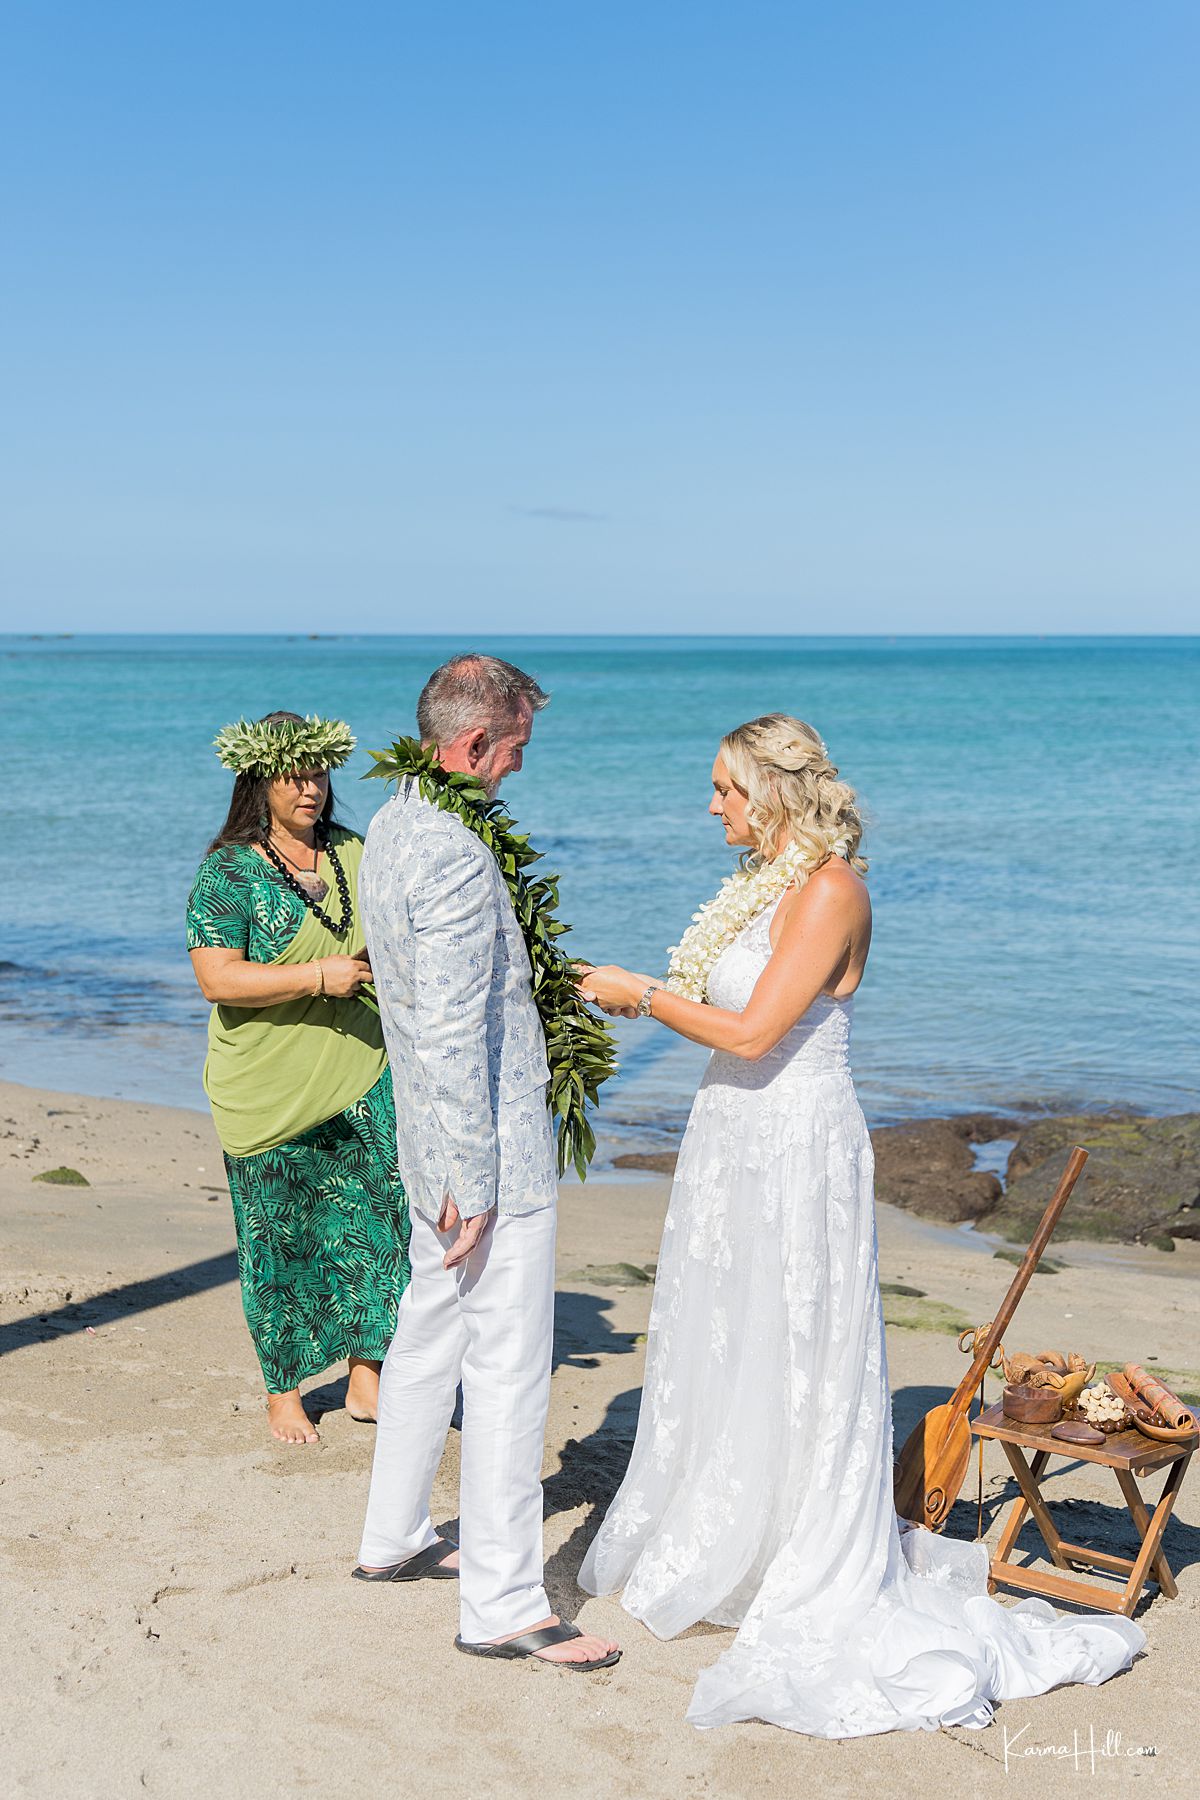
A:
(614, 990)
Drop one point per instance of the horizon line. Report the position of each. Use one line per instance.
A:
(1036, 637)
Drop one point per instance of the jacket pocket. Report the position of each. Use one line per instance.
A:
(522, 1075)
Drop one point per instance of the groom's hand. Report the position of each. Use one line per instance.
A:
(469, 1232)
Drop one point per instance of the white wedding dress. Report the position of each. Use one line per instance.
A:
(759, 1493)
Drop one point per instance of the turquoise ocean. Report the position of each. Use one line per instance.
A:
(1033, 829)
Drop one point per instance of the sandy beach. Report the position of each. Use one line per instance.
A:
(178, 1615)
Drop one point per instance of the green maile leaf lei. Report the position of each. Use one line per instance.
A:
(580, 1048)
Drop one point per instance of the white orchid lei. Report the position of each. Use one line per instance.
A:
(740, 898)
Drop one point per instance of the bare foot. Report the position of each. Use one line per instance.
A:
(362, 1389)
(288, 1420)
(580, 1649)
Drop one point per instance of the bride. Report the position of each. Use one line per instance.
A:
(759, 1493)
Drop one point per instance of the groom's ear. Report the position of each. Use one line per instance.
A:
(477, 745)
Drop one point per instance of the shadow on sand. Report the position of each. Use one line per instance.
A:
(119, 1302)
(590, 1469)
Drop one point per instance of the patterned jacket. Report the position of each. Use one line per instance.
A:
(463, 1035)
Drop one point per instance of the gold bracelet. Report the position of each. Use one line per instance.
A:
(319, 991)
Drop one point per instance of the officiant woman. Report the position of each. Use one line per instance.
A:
(296, 1073)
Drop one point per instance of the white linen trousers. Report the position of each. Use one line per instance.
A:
(489, 1323)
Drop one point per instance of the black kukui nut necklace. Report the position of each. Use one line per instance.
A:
(314, 907)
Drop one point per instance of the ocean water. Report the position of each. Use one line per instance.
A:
(1033, 812)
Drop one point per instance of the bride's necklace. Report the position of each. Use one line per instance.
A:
(740, 898)
(312, 883)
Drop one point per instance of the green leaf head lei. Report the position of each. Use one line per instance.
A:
(281, 747)
(580, 1048)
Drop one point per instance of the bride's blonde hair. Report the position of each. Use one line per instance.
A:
(792, 789)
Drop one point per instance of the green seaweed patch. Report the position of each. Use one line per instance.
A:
(620, 1274)
(909, 1313)
(1098, 1228)
(1049, 1265)
(63, 1177)
(900, 1287)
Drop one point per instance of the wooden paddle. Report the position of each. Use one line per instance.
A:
(932, 1466)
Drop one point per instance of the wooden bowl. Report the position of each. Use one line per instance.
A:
(1165, 1434)
(1031, 1405)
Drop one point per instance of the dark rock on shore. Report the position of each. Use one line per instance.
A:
(927, 1166)
(658, 1162)
(1141, 1184)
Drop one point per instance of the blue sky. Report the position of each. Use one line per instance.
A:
(871, 317)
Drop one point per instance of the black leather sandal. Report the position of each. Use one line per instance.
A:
(426, 1565)
(531, 1642)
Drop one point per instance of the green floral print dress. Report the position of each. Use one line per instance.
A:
(301, 1096)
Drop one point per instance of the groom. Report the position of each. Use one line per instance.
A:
(469, 1068)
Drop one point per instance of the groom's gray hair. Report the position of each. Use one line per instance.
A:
(470, 691)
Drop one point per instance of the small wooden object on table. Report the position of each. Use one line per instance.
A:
(1128, 1454)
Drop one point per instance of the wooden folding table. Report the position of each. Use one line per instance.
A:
(1128, 1454)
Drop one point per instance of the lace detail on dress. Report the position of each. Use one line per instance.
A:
(759, 1493)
